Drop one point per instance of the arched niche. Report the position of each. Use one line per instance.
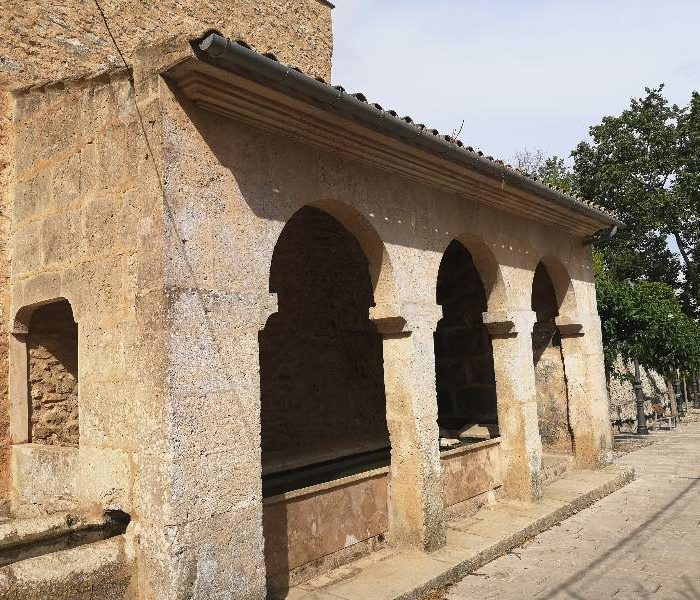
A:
(464, 366)
(44, 374)
(552, 292)
(322, 380)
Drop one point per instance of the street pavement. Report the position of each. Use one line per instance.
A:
(642, 541)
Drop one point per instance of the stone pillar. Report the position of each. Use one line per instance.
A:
(416, 508)
(19, 389)
(213, 494)
(589, 405)
(521, 446)
(577, 381)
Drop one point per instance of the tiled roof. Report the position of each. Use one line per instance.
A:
(423, 129)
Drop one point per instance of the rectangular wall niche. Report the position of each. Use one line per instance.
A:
(52, 356)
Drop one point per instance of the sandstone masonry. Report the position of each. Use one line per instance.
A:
(253, 313)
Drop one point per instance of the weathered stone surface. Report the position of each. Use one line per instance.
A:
(468, 472)
(159, 223)
(52, 345)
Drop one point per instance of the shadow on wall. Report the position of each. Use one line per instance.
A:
(464, 370)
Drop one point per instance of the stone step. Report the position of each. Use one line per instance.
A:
(555, 466)
(471, 543)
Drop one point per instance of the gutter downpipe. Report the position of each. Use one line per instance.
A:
(222, 52)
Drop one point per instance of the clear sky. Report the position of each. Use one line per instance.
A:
(532, 74)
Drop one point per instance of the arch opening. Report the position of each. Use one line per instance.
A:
(323, 407)
(52, 375)
(464, 367)
(550, 375)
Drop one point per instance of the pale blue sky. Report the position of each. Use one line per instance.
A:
(530, 74)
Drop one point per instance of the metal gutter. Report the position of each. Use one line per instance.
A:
(232, 56)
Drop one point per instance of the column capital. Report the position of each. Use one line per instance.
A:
(569, 326)
(404, 318)
(509, 323)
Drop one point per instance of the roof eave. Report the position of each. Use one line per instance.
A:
(233, 57)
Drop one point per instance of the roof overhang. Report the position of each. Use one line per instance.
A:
(236, 82)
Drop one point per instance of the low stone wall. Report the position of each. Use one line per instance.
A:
(315, 529)
(470, 471)
(623, 407)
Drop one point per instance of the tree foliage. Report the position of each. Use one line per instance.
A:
(645, 320)
(645, 165)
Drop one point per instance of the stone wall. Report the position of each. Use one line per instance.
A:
(5, 181)
(82, 199)
(52, 346)
(322, 383)
(623, 405)
(50, 41)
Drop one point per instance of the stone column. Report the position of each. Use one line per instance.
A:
(19, 389)
(521, 446)
(575, 368)
(214, 516)
(416, 509)
(589, 406)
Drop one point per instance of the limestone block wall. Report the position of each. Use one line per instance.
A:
(82, 206)
(49, 42)
(42, 42)
(5, 182)
(623, 406)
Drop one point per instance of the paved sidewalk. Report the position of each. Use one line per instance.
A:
(643, 541)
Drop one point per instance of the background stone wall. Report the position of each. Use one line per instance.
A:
(623, 406)
(52, 346)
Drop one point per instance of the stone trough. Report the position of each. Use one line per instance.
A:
(65, 556)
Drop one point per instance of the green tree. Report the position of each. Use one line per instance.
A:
(645, 165)
(645, 320)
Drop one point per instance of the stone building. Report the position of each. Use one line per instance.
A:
(274, 324)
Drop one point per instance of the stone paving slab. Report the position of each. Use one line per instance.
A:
(471, 543)
(642, 542)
